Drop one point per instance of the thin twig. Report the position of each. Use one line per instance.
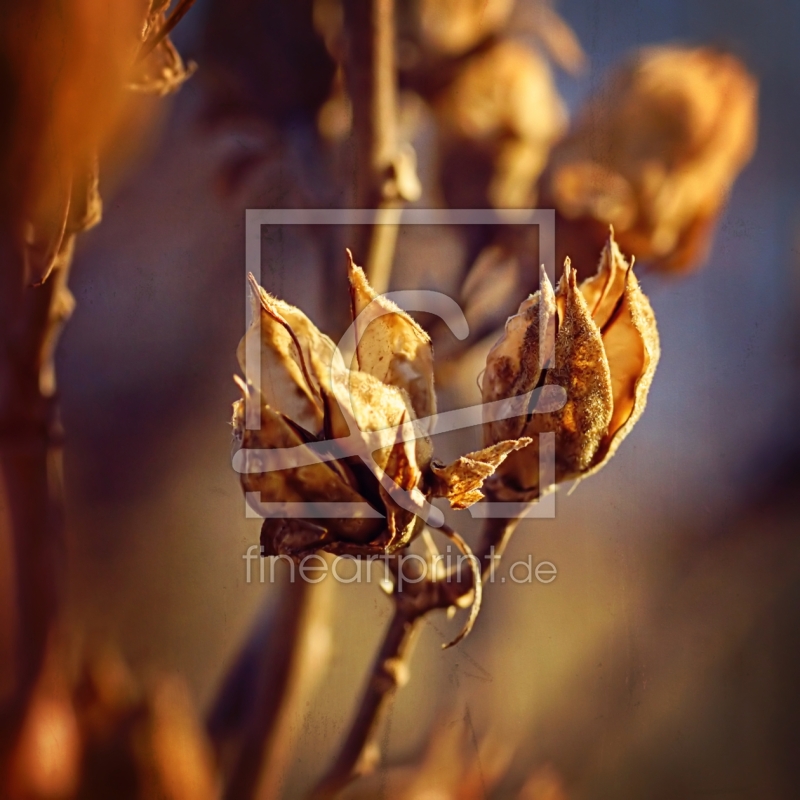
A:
(359, 752)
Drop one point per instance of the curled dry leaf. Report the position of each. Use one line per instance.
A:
(658, 163)
(383, 405)
(605, 353)
(461, 481)
(502, 114)
(159, 68)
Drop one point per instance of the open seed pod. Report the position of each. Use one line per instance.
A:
(599, 342)
(357, 433)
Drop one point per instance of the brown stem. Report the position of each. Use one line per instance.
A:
(385, 175)
(278, 667)
(359, 753)
(31, 462)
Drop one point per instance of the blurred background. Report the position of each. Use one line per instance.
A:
(662, 661)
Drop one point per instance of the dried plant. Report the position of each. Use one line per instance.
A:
(67, 72)
(103, 730)
(306, 395)
(597, 342)
(658, 163)
(352, 426)
(501, 115)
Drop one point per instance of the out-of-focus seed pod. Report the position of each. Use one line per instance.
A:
(655, 152)
(452, 27)
(304, 398)
(598, 341)
(498, 120)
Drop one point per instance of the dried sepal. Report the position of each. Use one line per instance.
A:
(658, 162)
(282, 536)
(392, 347)
(514, 365)
(604, 290)
(311, 483)
(581, 368)
(461, 482)
(499, 119)
(286, 378)
(632, 348)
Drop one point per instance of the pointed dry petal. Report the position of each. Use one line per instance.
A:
(582, 370)
(632, 347)
(604, 290)
(392, 347)
(377, 406)
(288, 381)
(461, 481)
(514, 365)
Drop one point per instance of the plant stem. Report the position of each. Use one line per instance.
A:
(251, 723)
(31, 319)
(383, 174)
(359, 754)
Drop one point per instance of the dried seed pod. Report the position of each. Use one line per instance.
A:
(659, 161)
(502, 114)
(605, 354)
(356, 435)
(452, 27)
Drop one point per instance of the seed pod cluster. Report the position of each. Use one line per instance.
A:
(381, 405)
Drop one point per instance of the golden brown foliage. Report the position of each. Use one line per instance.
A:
(71, 65)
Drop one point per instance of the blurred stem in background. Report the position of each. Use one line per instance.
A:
(252, 722)
(31, 319)
(386, 174)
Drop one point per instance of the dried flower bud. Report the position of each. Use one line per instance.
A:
(659, 159)
(382, 406)
(600, 343)
(502, 112)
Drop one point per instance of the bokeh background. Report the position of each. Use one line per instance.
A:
(662, 661)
